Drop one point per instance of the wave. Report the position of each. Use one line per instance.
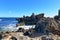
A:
(10, 27)
(27, 26)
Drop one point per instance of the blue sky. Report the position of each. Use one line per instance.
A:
(18, 8)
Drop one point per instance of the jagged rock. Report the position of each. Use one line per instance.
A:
(43, 24)
(48, 24)
(30, 20)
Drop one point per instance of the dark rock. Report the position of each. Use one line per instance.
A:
(20, 30)
(13, 38)
(29, 33)
(0, 36)
(43, 24)
(48, 25)
(30, 20)
(26, 33)
(58, 16)
(7, 32)
(59, 13)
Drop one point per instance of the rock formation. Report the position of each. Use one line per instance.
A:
(43, 24)
(49, 24)
(32, 20)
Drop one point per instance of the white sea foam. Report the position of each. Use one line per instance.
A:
(26, 26)
(10, 27)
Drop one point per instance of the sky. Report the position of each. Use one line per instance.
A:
(18, 8)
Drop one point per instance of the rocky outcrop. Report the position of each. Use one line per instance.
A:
(43, 24)
(49, 25)
(30, 20)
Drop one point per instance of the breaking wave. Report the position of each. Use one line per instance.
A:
(8, 24)
(10, 27)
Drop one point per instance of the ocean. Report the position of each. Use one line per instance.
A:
(8, 24)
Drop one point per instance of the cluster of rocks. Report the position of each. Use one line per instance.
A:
(49, 25)
(43, 24)
(30, 20)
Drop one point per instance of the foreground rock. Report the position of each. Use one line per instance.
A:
(0, 36)
(20, 36)
(49, 25)
(44, 25)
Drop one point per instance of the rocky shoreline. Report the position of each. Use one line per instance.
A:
(20, 36)
(46, 28)
(43, 24)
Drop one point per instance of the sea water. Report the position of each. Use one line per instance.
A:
(8, 24)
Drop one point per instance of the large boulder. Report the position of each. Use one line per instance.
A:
(41, 25)
(47, 25)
